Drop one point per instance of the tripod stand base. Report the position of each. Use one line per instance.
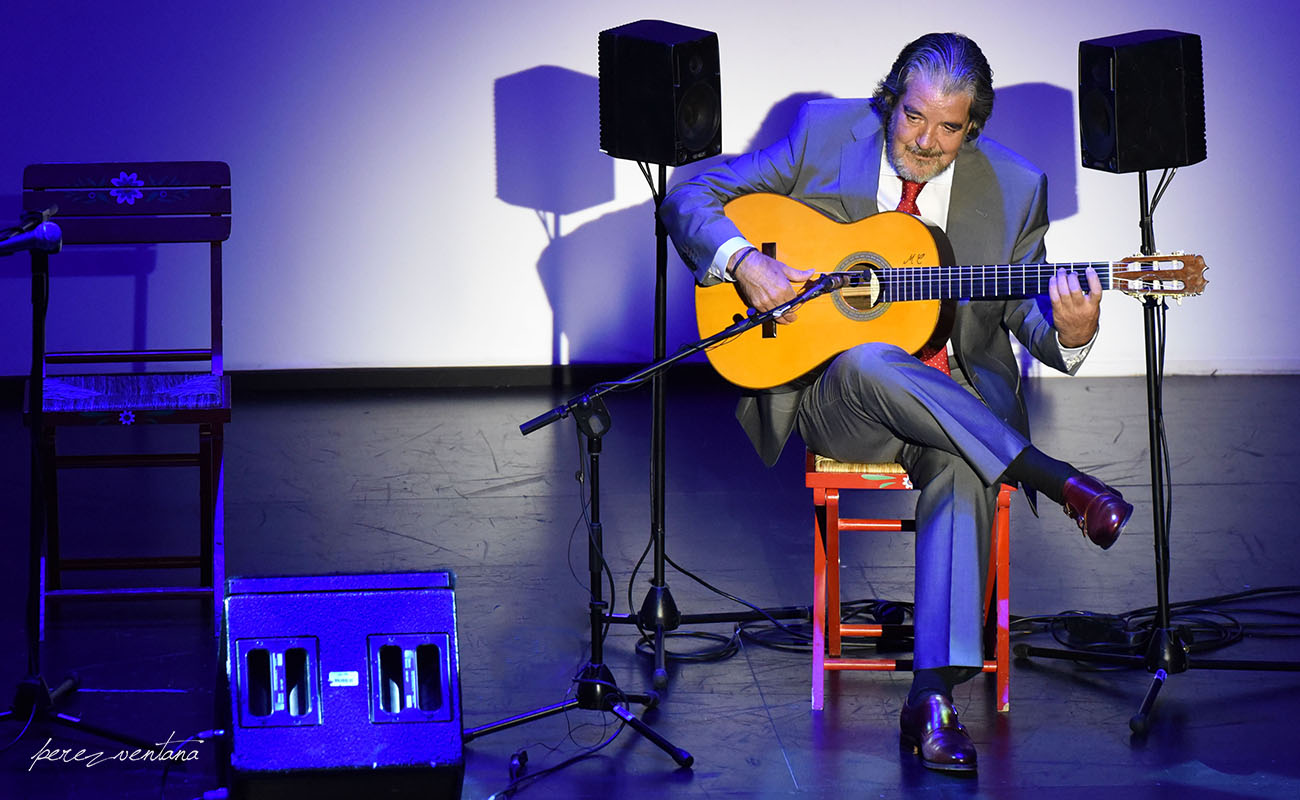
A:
(34, 700)
(596, 692)
(659, 611)
(1140, 722)
(659, 614)
(1165, 656)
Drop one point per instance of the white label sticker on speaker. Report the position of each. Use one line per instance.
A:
(350, 678)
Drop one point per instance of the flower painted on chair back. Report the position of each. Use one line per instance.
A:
(128, 194)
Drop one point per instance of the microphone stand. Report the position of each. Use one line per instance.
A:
(597, 690)
(33, 698)
(1167, 653)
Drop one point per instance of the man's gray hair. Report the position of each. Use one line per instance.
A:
(951, 59)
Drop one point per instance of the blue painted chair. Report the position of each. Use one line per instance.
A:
(125, 210)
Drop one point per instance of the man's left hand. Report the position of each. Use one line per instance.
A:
(1074, 312)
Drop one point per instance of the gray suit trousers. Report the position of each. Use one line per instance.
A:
(877, 403)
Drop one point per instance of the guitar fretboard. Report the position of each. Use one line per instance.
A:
(990, 282)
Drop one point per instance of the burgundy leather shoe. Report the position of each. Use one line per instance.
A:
(1100, 510)
(931, 729)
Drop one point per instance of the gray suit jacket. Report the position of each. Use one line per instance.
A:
(830, 160)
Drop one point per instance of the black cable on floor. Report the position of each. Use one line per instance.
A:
(1207, 624)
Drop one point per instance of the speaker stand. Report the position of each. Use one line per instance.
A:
(659, 613)
(1167, 653)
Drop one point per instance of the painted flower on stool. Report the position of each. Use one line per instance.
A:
(126, 195)
(126, 417)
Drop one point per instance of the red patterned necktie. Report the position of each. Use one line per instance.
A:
(937, 358)
(910, 191)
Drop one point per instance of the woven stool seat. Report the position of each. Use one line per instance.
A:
(156, 392)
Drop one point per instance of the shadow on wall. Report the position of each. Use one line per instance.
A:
(1037, 121)
(15, 298)
(548, 159)
(547, 126)
(99, 299)
(600, 277)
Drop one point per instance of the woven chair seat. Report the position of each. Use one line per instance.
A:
(826, 464)
(144, 392)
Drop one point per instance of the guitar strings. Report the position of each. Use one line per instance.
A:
(985, 281)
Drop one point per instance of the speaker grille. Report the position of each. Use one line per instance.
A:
(698, 119)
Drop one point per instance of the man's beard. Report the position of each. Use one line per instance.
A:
(906, 171)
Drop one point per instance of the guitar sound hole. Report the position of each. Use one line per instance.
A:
(855, 302)
(861, 300)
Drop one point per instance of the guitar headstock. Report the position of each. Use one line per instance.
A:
(1175, 275)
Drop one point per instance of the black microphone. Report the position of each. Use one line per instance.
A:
(30, 219)
(836, 280)
(45, 237)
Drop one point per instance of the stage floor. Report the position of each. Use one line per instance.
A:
(383, 481)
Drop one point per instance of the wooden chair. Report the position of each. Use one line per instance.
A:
(827, 478)
(138, 205)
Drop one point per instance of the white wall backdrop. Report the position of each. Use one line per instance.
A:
(417, 182)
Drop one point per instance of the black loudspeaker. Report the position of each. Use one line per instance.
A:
(660, 93)
(343, 686)
(1141, 101)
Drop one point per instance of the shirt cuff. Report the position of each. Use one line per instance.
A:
(1074, 356)
(718, 268)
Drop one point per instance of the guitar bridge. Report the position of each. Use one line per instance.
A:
(769, 327)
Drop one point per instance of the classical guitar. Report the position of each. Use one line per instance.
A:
(903, 289)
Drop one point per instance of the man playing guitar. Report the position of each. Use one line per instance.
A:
(915, 146)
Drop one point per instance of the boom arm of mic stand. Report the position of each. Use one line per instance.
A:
(824, 284)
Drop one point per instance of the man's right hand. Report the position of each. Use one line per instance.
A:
(765, 283)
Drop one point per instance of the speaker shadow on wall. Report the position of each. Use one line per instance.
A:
(1037, 121)
(546, 120)
(548, 160)
(600, 278)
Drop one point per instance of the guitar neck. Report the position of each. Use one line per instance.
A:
(991, 282)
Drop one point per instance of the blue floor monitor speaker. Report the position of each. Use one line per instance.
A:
(343, 686)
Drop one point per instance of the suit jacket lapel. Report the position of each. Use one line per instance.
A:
(860, 168)
(974, 224)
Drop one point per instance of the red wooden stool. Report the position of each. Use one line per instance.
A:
(826, 478)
